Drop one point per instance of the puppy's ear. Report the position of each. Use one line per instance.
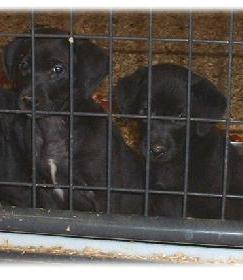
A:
(207, 102)
(128, 90)
(12, 52)
(91, 66)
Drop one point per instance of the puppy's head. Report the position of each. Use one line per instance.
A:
(169, 98)
(52, 70)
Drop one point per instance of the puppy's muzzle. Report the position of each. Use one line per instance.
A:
(26, 100)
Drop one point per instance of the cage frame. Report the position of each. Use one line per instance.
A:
(129, 227)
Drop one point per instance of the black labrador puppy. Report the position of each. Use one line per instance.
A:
(52, 94)
(168, 139)
(89, 134)
(52, 70)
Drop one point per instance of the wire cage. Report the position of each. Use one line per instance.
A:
(157, 42)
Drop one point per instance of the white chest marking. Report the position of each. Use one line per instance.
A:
(53, 171)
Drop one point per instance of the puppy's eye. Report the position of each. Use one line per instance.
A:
(158, 149)
(24, 65)
(57, 69)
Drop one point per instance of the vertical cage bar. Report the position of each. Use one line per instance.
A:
(228, 113)
(71, 112)
(33, 130)
(109, 142)
(188, 118)
(150, 53)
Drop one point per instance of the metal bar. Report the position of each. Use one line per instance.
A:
(83, 114)
(150, 53)
(10, 184)
(183, 231)
(129, 116)
(121, 116)
(237, 42)
(188, 121)
(71, 113)
(194, 41)
(125, 116)
(228, 112)
(33, 110)
(132, 38)
(53, 113)
(109, 138)
(114, 189)
(213, 42)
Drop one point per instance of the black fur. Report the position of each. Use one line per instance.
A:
(90, 66)
(89, 133)
(168, 139)
(90, 160)
(15, 159)
(52, 70)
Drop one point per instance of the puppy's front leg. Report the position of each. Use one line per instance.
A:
(53, 171)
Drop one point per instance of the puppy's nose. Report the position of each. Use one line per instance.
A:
(158, 149)
(27, 100)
